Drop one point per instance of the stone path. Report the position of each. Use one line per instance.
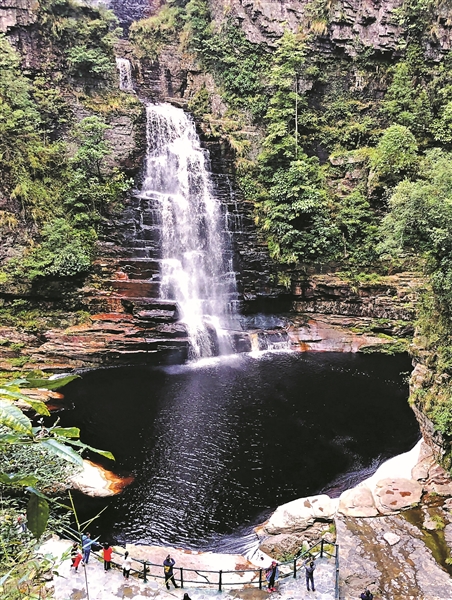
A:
(111, 585)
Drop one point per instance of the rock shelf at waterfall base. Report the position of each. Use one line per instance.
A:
(379, 546)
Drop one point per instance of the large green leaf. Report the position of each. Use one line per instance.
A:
(14, 394)
(62, 450)
(14, 418)
(105, 453)
(66, 432)
(49, 384)
(18, 480)
(38, 407)
(11, 438)
(37, 515)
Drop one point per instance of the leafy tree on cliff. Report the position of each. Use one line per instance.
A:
(420, 221)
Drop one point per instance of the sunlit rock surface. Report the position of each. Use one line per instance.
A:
(94, 480)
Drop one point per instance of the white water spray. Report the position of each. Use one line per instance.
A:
(196, 257)
(125, 74)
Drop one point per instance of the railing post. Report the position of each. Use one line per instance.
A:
(181, 577)
(144, 572)
(220, 577)
(321, 548)
(295, 568)
(336, 593)
(260, 579)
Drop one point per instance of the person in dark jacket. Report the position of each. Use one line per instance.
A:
(309, 568)
(366, 595)
(168, 565)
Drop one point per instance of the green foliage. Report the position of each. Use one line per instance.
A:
(82, 38)
(296, 213)
(237, 64)
(89, 62)
(358, 225)
(395, 155)
(442, 417)
(32, 460)
(149, 35)
(421, 221)
(63, 252)
(199, 105)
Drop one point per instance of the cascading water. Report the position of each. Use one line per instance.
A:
(125, 74)
(196, 256)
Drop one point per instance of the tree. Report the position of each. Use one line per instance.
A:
(394, 157)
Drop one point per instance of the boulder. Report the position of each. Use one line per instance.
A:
(299, 514)
(392, 495)
(420, 471)
(282, 545)
(357, 502)
(439, 481)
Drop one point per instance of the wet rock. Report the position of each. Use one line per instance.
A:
(396, 494)
(357, 502)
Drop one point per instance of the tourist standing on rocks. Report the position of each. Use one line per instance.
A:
(168, 565)
(108, 550)
(126, 566)
(271, 575)
(366, 595)
(309, 568)
(87, 542)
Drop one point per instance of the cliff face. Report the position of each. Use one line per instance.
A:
(348, 26)
(16, 13)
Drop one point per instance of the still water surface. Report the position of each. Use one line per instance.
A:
(217, 445)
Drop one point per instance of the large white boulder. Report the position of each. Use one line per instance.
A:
(300, 514)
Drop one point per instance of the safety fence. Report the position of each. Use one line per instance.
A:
(226, 579)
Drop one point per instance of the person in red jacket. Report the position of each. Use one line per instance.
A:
(107, 556)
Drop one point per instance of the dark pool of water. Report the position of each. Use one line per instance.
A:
(215, 447)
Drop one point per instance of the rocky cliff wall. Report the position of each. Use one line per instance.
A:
(345, 25)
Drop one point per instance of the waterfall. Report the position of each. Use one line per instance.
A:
(125, 74)
(196, 262)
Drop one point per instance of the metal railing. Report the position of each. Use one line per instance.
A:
(220, 579)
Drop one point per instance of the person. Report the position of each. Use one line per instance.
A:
(87, 542)
(107, 556)
(126, 566)
(310, 568)
(76, 560)
(21, 524)
(168, 565)
(74, 552)
(186, 597)
(366, 595)
(271, 575)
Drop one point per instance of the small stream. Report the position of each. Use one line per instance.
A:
(216, 445)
